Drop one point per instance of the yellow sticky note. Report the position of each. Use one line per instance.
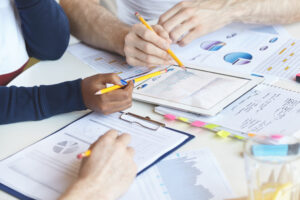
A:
(210, 126)
(183, 119)
(239, 137)
(223, 134)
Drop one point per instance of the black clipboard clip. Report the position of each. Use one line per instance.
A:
(145, 122)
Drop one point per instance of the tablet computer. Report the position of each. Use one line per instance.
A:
(198, 89)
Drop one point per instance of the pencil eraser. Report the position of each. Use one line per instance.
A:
(198, 124)
(298, 78)
(170, 117)
(79, 156)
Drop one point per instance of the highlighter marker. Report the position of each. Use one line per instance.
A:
(275, 150)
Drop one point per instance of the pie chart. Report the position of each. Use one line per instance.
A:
(212, 45)
(65, 147)
(238, 58)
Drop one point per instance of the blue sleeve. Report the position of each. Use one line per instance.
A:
(45, 28)
(36, 103)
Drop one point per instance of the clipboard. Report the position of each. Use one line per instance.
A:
(145, 122)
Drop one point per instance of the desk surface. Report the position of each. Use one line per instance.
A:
(14, 137)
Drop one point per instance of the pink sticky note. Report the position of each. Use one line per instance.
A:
(276, 136)
(198, 124)
(170, 117)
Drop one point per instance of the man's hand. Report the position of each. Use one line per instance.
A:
(189, 20)
(108, 172)
(107, 103)
(143, 47)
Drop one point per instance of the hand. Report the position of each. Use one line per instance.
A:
(107, 103)
(143, 47)
(189, 20)
(108, 172)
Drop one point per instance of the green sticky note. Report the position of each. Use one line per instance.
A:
(223, 134)
(211, 126)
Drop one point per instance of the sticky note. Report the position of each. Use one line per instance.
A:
(210, 126)
(251, 134)
(223, 134)
(198, 124)
(276, 136)
(183, 119)
(239, 137)
(170, 117)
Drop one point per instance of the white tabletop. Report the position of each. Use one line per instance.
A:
(14, 137)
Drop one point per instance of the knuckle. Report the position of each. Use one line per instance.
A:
(182, 4)
(148, 59)
(130, 60)
(147, 47)
(174, 35)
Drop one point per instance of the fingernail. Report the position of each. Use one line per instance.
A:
(123, 82)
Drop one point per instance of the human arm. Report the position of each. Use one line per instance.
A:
(96, 26)
(189, 20)
(45, 28)
(36, 103)
(108, 172)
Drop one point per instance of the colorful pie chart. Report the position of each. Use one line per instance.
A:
(238, 58)
(212, 45)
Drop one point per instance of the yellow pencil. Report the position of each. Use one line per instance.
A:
(84, 154)
(169, 50)
(139, 79)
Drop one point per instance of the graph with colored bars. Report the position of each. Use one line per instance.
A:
(284, 63)
(110, 63)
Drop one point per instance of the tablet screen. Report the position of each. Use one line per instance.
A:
(196, 88)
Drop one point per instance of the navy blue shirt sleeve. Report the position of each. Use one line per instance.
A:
(36, 103)
(45, 28)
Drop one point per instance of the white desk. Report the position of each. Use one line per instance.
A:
(14, 137)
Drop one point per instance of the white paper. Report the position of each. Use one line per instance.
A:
(105, 62)
(263, 110)
(237, 48)
(284, 63)
(46, 169)
(189, 176)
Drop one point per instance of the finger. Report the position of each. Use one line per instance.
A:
(189, 37)
(162, 32)
(115, 106)
(124, 138)
(131, 151)
(169, 14)
(148, 48)
(112, 78)
(183, 28)
(129, 88)
(150, 59)
(120, 94)
(109, 135)
(136, 62)
(151, 37)
(177, 19)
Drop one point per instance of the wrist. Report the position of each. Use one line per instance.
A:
(83, 189)
(122, 32)
(236, 10)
